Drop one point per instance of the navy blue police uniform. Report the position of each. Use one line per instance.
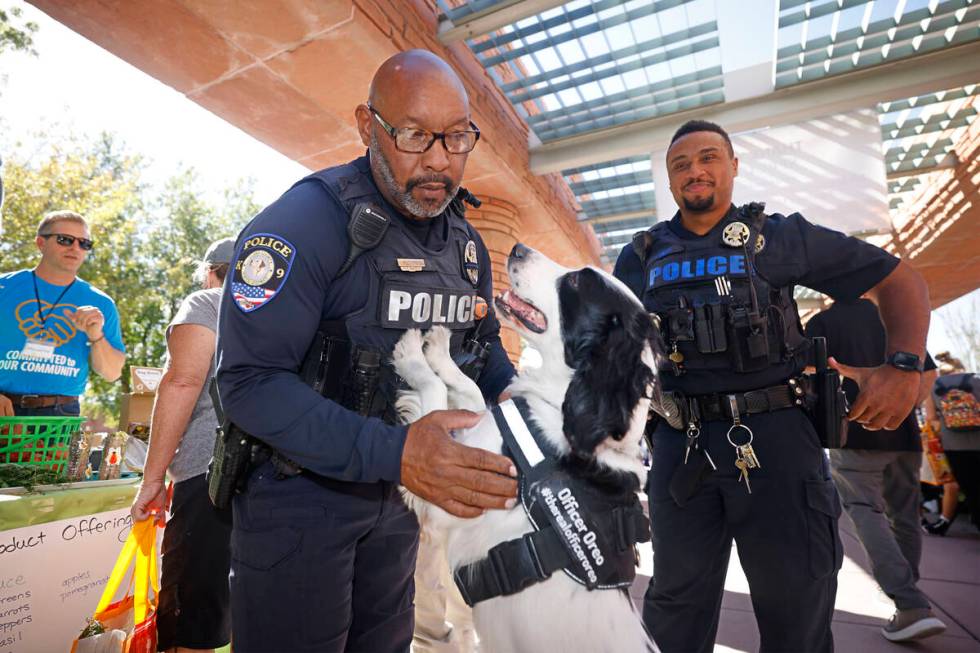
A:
(735, 349)
(323, 558)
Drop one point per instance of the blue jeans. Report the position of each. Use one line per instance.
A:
(71, 409)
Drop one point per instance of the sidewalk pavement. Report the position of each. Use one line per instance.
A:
(950, 571)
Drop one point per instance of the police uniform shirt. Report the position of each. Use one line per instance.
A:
(855, 336)
(796, 252)
(260, 351)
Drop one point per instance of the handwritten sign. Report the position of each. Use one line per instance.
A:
(51, 578)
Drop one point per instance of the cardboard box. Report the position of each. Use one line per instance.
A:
(144, 380)
(135, 409)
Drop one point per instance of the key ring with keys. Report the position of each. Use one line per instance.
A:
(737, 424)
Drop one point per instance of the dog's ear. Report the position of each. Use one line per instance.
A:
(608, 381)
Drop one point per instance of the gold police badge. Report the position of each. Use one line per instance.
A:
(735, 234)
(470, 264)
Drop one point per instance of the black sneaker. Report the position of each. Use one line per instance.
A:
(917, 623)
(938, 527)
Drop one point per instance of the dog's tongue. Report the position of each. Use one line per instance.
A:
(523, 310)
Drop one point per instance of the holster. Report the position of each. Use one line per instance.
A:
(828, 406)
(229, 463)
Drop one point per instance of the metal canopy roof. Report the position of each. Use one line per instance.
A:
(596, 67)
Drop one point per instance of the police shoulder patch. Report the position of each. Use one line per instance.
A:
(260, 270)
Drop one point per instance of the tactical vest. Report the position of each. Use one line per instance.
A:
(410, 287)
(715, 312)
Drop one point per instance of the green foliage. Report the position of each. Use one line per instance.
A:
(13, 37)
(147, 242)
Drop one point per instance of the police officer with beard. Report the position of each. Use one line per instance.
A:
(746, 462)
(324, 282)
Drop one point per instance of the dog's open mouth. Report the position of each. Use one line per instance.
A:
(521, 310)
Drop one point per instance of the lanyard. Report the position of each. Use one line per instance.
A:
(40, 313)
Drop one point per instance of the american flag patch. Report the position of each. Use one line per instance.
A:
(249, 297)
(261, 268)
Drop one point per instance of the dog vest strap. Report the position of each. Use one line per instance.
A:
(511, 567)
(515, 565)
(524, 441)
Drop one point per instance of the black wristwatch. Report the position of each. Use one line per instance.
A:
(905, 361)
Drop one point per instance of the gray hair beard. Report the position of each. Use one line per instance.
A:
(403, 199)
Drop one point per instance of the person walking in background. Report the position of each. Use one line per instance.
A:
(194, 612)
(877, 473)
(954, 411)
(54, 325)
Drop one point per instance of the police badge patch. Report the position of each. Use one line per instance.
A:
(260, 271)
(471, 268)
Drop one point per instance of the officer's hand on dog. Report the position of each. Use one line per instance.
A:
(887, 395)
(461, 480)
(6, 406)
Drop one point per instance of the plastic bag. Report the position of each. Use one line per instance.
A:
(935, 457)
(130, 623)
(135, 456)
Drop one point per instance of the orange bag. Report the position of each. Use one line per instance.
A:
(932, 451)
(130, 623)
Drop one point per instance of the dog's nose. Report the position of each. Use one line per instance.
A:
(519, 251)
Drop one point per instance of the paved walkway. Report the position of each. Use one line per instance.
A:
(950, 572)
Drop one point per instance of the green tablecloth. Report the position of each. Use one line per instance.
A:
(64, 502)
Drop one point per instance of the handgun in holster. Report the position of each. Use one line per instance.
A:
(830, 407)
(229, 463)
(230, 458)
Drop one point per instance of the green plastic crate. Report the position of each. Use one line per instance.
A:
(40, 442)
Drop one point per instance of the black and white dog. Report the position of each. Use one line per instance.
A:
(590, 397)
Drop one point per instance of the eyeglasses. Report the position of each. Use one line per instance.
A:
(67, 241)
(416, 141)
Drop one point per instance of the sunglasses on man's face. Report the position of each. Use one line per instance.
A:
(67, 241)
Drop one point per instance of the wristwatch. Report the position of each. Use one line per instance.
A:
(905, 361)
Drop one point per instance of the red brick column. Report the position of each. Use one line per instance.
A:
(497, 221)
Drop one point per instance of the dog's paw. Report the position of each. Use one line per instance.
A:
(436, 345)
(408, 348)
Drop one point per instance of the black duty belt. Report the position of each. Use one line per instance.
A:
(777, 397)
(39, 401)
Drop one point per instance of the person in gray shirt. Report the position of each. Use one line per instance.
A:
(194, 612)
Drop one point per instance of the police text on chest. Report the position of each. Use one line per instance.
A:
(405, 308)
(734, 264)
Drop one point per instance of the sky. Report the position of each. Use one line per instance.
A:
(75, 84)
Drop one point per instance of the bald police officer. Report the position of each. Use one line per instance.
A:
(747, 464)
(325, 281)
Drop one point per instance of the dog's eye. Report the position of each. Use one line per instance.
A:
(572, 278)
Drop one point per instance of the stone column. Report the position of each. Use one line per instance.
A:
(497, 222)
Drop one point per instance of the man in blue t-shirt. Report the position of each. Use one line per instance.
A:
(53, 325)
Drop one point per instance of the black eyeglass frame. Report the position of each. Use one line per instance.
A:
(66, 240)
(440, 136)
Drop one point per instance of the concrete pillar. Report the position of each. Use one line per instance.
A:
(497, 221)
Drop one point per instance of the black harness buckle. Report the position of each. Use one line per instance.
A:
(515, 564)
(509, 568)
